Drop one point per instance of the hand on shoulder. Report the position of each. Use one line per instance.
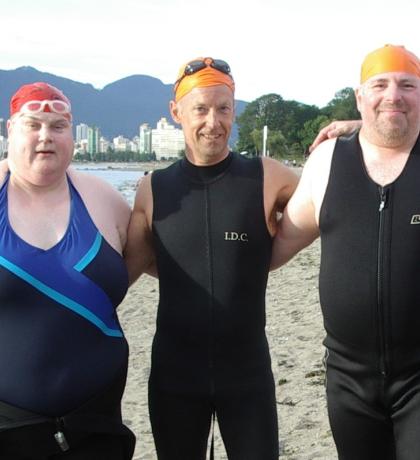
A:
(334, 130)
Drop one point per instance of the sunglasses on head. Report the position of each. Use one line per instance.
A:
(195, 66)
(56, 106)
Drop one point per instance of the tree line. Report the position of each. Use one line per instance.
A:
(292, 125)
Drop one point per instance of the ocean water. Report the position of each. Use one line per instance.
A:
(124, 180)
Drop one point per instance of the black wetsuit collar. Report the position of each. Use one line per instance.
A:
(206, 173)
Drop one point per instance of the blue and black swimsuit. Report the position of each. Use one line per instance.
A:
(61, 344)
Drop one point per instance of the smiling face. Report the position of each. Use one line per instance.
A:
(40, 146)
(206, 116)
(389, 104)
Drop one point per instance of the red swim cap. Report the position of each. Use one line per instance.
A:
(38, 91)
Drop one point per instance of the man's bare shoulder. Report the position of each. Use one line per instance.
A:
(273, 166)
(279, 184)
(316, 173)
(321, 157)
(109, 210)
(279, 180)
(98, 194)
(90, 184)
(278, 175)
(144, 196)
(82, 178)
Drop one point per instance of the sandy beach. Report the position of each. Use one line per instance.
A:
(295, 333)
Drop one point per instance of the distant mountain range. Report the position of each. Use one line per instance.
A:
(117, 109)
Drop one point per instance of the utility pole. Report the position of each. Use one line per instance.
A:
(264, 151)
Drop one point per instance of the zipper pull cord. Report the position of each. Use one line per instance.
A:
(384, 199)
(60, 438)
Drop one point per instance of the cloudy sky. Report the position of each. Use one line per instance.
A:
(305, 50)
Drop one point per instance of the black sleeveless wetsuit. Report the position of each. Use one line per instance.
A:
(63, 354)
(210, 351)
(370, 297)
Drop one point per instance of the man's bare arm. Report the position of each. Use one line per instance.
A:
(279, 184)
(138, 253)
(298, 226)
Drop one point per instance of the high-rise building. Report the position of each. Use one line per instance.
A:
(167, 141)
(135, 144)
(104, 144)
(3, 146)
(81, 132)
(121, 144)
(145, 139)
(93, 136)
(3, 129)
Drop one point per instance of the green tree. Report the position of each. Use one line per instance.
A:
(343, 106)
(266, 110)
(257, 141)
(310, 130)
(294, 117)
(283, 118)
(277, 144)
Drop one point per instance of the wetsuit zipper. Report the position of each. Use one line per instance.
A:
(380, 304)
(211, 305)
(211, 289)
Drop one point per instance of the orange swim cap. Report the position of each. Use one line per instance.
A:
(210, 72)
(389, 58)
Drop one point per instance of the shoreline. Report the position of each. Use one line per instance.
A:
(121, 166)
(141, 166)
